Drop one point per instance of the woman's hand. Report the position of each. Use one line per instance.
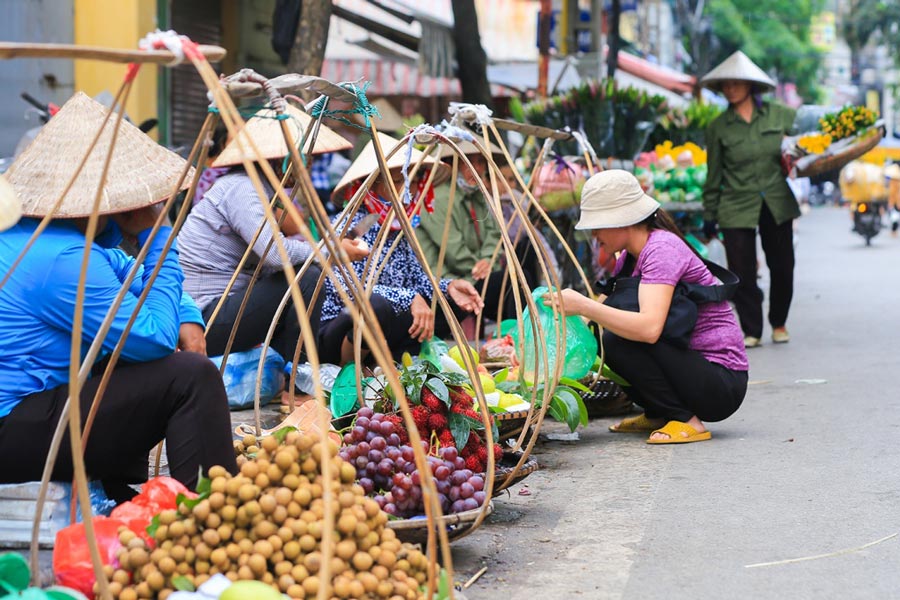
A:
(571, 303)
(356, 249)
(423, 319)
(481, 269)
(465, 296)
(191, 338)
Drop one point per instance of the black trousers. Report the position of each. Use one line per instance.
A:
(673, 383)
(261, 306)
(528, 259)
(778, 246)
(180, 398)
(395, 328)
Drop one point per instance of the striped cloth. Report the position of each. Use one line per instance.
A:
(216, 234)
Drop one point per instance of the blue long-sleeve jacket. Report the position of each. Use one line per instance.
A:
(37, 305)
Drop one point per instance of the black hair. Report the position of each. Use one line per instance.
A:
(660, 219)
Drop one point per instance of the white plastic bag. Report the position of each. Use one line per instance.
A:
(716, 250)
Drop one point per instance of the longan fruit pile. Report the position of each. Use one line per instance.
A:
(266, 524)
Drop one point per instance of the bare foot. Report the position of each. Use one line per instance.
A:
(694, 422)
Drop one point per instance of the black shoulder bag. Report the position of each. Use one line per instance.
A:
(622, 293)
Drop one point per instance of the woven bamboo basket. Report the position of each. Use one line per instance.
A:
(602, 391)
(415, 531)
(830, 162)
(507, 465)
(510, 424)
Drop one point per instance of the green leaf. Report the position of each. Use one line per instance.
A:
(183, 584)
(281, 434)
(574, 383)
(500, 376)
(154, 522)
(459, 428)
(573, 412)
(558, 410)
(204, 486)
(439, 388)
(443, 587)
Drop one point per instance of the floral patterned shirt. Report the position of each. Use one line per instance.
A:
(399, 282)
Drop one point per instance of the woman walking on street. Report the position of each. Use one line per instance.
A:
(746, 190)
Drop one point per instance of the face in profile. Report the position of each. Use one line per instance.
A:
(510, 176)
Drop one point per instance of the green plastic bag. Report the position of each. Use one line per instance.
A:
(432, 350)
(579, 351)
(343, 393)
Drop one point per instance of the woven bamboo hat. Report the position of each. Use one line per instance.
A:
(738, 67)
(265, 131)
(10, 207)
(141, 172)
(614, 198)
(366, 163)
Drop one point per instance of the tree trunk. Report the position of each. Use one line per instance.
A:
(470, 56)
(312, 36)
(612, 61)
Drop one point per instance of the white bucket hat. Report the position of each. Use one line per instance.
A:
(141, 172)
(738, 67)
(614, 198)
(367, 162)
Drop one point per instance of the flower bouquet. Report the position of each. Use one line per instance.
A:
(841, 137)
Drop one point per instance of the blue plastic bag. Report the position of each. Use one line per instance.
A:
(580, 348)
(240, 377)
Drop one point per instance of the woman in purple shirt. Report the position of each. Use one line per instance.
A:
(678, 388)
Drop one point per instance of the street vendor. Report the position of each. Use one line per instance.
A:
(678, 387)
(155, 392)
(220, 228)
(402, 293)
(746, 191)
(473, 234)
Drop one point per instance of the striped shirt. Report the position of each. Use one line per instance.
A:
(216, 234)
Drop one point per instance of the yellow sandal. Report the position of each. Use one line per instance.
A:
(638, 424)
(680, 433)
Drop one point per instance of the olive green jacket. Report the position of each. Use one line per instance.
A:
(468, 241)
(744, 162)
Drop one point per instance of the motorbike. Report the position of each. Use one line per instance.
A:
(867, 218)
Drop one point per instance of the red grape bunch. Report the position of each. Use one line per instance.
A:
(386, 469)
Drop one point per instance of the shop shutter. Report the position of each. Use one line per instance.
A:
(200, 20)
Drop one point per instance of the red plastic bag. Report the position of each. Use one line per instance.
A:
(72, 558)
(157, 495)
(162, 492)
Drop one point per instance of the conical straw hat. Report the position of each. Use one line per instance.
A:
(141, 172)
(367, 162)
(10, 207)
(738, 67)
(265, 130)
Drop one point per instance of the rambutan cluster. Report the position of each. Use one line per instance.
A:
(432, 418)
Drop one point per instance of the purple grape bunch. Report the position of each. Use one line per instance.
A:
(386, 469)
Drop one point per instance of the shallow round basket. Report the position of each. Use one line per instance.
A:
(510, 424)
(831, 162)
(606, 398)
(507, 465)
(415, 531)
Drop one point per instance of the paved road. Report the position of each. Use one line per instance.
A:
(809, 466)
